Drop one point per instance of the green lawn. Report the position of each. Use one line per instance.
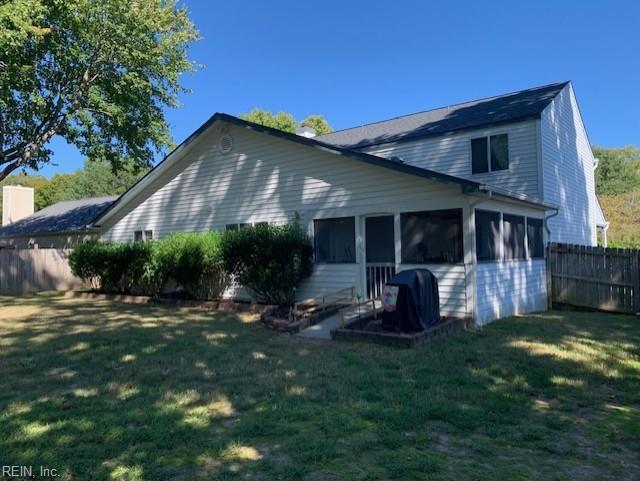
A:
(111, 391)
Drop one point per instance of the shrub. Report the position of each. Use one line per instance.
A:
(269, 260)
(109, 266)
(86, 262)
(194, 262)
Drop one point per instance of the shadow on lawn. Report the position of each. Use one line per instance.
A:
(115, 391)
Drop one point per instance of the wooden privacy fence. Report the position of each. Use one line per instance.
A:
(594, 277)
(35, 270)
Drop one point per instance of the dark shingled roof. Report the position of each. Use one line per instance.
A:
(477, 113)
(68, 216)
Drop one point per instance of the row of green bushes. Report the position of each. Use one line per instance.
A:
(268, 260)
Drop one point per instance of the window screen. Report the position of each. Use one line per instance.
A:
(148, 235)
(137, 236)
(432, 236)
(231, 227)
(535, 237)
(487, 235)
(499, 152)
(379, 239)
(513, 226)
(335, 240)
(479, 162)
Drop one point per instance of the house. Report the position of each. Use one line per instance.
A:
(59, 226)
(472, 192)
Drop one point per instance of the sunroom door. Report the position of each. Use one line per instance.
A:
(380, 253)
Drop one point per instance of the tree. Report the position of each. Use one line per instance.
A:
(96, 73)
(282, 120)
(286, 122)
(95, 179)
(618, 169)
(98, 178)
(38, 182)
(318, 123)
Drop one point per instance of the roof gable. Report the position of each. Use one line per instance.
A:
(182, 149)
(477, 113)
(177, 154)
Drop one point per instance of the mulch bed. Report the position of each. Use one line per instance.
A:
(370, 330)
(217, 305)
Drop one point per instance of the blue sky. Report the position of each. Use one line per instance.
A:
(360, 61)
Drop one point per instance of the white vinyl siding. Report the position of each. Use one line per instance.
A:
(505, 288)
(451, 154)
(328, 278)
(451, 286)
(269, 179)
(568, 175)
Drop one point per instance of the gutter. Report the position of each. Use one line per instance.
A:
(86, 230)
(490, 192)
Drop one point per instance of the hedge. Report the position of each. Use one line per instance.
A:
(269, 260)
(192, 262)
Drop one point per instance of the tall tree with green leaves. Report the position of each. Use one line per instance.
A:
(286, 122)
(95, 179)
(96, 73)
(618, 169)
(282, 120)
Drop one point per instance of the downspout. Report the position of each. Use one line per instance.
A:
(546, 221)
(603, 238)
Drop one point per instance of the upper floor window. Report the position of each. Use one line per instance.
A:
(489, 154)
(432, 236)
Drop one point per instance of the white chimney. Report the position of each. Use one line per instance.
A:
(17, 203)
(306, 131)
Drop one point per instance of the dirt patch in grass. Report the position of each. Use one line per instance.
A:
(102, 390)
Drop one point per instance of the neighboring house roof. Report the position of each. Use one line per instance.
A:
(68, 216)
(398, 166)
(520, 105)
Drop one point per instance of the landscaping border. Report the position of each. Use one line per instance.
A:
(214, 305)
(401, 339)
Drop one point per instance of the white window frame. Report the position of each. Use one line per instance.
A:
(488, 143)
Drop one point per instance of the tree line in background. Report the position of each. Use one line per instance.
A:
(617, 178)
(286, 122)
(98, 178)
(618, 188)
(94, 179)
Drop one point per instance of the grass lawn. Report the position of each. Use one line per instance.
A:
(104, 391)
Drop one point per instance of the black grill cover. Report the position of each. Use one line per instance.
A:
(417, 303)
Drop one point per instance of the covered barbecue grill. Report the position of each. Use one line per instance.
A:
(411, 301)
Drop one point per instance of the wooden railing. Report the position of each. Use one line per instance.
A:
(378, 273)
(318, 304)
(358, 310)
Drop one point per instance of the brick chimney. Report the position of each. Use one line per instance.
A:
(17, 203)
